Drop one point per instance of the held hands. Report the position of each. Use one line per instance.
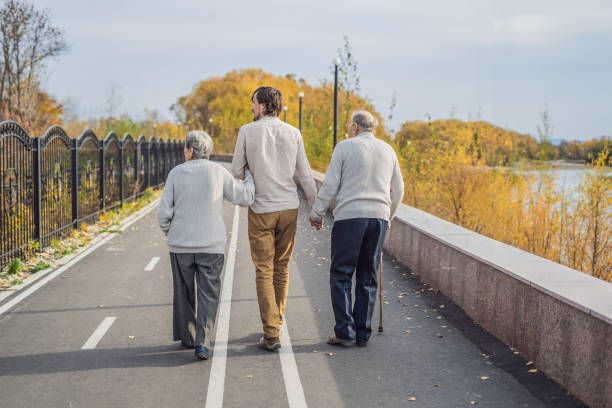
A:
(317, 224)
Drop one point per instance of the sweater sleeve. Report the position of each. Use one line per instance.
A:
(330, 187)
(239, 192)
(165, 208)
(239, 160)
(397, 187)
(304, 173)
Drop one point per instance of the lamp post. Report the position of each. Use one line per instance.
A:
(210, 121)
(336, 64)
(285, 108)
(301, 95)
(154, 129)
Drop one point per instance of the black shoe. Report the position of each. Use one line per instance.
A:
(361, 343)
(270, 344)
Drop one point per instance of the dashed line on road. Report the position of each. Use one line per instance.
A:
(293, 384)
(102, 239)
(216, 382)
(97, 335)
(151, 264)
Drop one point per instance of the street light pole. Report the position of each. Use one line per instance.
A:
(285, 108)
(336, 64)
(210, 121)
(301, 95)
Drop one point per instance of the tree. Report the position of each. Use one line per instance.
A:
(547, 151)
(29, 41)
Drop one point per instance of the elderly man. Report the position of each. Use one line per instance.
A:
(274, 151)
(190, 213)
(365, 178)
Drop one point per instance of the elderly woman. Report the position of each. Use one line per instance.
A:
(190, 213)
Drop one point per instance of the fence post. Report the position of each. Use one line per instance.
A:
(75, 183)
(37, 193)
(148, 164)
(121, 174)
(101, 178)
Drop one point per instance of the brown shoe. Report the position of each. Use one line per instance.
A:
(337, 341)
(270, 344)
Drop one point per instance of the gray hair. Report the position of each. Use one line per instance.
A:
(365, 120)
(201, 142)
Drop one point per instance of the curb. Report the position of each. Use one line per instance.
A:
(17, 293)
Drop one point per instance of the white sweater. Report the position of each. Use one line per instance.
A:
(190, 211)
(274, 152)
(365, 178)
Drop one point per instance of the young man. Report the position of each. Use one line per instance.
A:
(190, 213)
(274, 152)
(365, 178)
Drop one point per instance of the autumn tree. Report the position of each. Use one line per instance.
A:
(29, 40)
(227, 100)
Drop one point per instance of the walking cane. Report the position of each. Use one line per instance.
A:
(380, 296)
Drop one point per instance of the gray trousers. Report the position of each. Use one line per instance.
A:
(196, 277)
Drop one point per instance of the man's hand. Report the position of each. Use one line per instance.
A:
(317, 224)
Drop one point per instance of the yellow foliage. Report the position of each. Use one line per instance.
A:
(227, 100)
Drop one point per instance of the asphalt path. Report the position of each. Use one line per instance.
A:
(430, 354)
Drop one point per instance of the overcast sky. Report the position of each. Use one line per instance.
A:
(507, 60)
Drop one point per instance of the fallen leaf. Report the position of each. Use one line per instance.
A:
(533, 370)
(442, 306)
(473, 402)
(131, 337)
(485, 377)
(516, 353)
(529, 363)
(409, 318)
(249, 376)
(315, 351)
(437, 385)
(400, 296)
(411, 399)
(407, 331)
(386, 303)
(444, 327)
(100, 305)
(329, 354)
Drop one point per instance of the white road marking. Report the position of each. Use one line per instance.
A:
(151, 264)
(216, 382)
(293, 384)
(103, 240)
(97, 335)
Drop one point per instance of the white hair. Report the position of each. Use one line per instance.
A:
(201, 142)
(365, 120)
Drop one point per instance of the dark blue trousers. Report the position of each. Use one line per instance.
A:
(356, 246)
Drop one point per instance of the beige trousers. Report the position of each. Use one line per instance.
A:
(272, 238)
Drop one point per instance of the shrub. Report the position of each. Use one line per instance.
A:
(15, 266)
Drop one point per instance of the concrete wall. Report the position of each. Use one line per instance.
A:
(557, 317)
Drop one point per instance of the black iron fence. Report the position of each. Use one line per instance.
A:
(49, 185)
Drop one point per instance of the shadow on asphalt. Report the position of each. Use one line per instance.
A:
(172, 355)
(82, 309)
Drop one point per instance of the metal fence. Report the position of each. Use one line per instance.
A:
(49, 185)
